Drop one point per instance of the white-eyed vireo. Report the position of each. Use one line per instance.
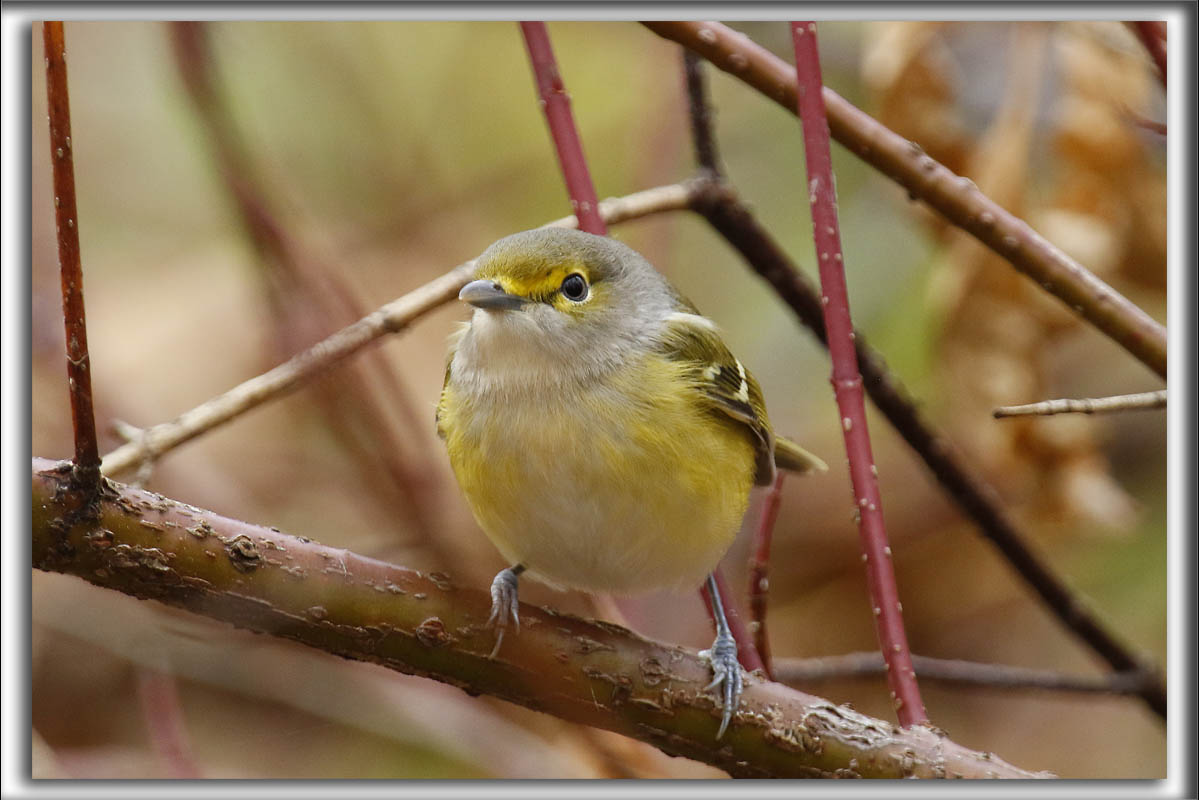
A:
(605, 437)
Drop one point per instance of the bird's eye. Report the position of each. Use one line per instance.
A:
(575, 287)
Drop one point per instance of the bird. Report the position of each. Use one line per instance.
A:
(604, 436)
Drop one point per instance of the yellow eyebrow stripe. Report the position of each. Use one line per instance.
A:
(542, 283)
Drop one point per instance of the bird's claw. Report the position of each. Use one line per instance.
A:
(504, 606)
(726, 674)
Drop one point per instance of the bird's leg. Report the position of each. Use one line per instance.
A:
(504, 603)
(722, 655)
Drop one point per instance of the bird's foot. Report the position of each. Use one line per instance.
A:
(726, 676)
(504, 604)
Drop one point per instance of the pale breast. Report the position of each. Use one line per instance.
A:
(592, 490)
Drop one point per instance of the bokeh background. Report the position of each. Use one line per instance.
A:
(375, 156)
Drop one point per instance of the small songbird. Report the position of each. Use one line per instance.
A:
(603, 434)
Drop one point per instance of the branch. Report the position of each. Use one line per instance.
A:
(954, 197)
(1148, 124)
(162, 712)
(759, 571)
(66, 219)
(391, 318)
(1086, 405)
(806, 671)
(151, 547)
(702, 134)
(847, 381)
(976, 498)
(309, 297)
(556, 104)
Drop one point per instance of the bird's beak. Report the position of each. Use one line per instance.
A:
(490, 295)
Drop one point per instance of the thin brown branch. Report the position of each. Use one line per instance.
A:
(955, 672)
(66, 220)
(954, 197)
(390, 318)
(847, 381)
(556, 105)
(703, 136)
(759, 571)
(132, 433)
(1086, 405)
(149, 546)
(1152, 34)
(977, 498)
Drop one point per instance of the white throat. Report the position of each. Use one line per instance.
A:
(509, 352)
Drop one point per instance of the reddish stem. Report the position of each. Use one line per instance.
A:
(556, 104)
(163, 714)
(759, 571)
(1152, 34)
(747, 654)
(66, 218)
(847, 380)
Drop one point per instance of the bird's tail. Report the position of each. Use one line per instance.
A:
(790, 456)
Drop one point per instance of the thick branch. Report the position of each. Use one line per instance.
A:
(66, 219)
(391, 318)
(954, 197)
(257, 578)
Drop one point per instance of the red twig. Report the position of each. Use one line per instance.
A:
(163, 712)
(847, 380)
(1152, 34)
(556, 104)
(759, 571)
(66, 218)
(747, 654)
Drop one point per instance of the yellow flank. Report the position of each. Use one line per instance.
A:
(622, 485)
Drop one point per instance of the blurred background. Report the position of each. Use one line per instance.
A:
(247, 188)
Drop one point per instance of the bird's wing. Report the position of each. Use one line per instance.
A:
(731, 388)
(455, 338)
(723, 381)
